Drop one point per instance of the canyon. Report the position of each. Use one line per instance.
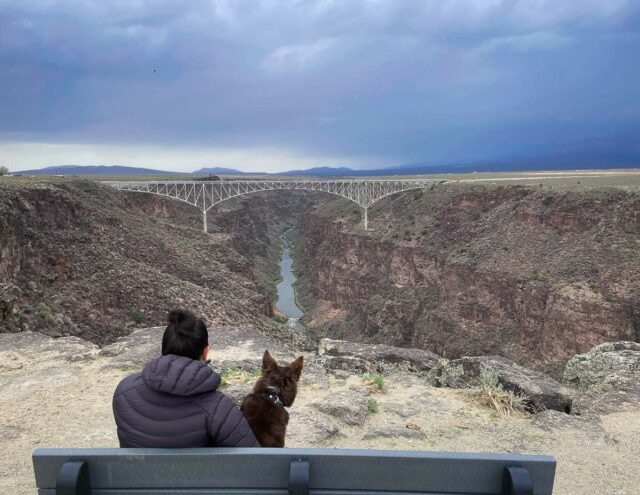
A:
(532, 274)
(463, 279)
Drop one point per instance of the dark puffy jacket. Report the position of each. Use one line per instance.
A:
(174, 402)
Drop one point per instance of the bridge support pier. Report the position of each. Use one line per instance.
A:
(366, 220)
(204, 221)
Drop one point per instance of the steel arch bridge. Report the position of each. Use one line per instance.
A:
(206, 194)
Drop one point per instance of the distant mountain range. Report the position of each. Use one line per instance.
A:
(617, 152)
(220, 171)
(94, 170)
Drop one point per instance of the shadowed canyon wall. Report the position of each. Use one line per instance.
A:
(534, 275)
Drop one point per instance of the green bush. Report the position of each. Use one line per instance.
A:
(137, 317)
(418, 194)
(372, 405)
(537, 277)
(375, 381)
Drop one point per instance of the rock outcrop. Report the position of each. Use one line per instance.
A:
(349, 406)
(373, 358)
(607, 378)
(542, 391)
(614, 362)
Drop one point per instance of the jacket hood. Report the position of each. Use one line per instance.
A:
(179, 375)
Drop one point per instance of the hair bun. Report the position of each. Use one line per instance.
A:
(177, 316)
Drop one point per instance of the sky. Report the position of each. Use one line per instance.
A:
(274, 85)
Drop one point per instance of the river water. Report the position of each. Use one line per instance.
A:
(286, 302)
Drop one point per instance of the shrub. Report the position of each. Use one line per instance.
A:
(4, 170)
(137, 317)
(536, 277)
(42, 310)
(418, 194)
(504, 402)
(375, 382)
(372, 405)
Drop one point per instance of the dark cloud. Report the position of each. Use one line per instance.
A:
(400, 81)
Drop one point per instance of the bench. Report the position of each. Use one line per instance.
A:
(287, 471)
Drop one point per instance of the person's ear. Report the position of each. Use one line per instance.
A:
(205, 354)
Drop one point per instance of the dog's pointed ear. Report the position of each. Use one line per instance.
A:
(297, 366)
(268, 363)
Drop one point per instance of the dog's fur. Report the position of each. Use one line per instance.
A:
(267, 419)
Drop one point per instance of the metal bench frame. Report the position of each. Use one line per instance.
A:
(287, 471)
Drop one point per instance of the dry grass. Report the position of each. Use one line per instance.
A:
(504, 402)
(375, 383)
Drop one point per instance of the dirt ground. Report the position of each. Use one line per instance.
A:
(57, 393)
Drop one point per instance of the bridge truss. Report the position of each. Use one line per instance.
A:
(206, 194)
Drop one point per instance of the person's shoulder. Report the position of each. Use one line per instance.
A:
(217, 403)
(128, 383)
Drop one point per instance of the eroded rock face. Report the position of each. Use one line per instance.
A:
(543, 391)
(10, 306)
(340, 354)
(607, 377)
(97, 263)
(615, 362)
(533, 275)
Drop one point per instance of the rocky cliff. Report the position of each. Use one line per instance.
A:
(532, 274)
(79, 258)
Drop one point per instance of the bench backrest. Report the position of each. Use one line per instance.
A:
(287, 471)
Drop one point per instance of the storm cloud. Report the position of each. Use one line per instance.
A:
(275, 84)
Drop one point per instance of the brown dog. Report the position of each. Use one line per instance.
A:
(264, 408)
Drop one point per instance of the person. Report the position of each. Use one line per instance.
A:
(175, 401)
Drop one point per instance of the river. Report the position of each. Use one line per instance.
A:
(286, 302)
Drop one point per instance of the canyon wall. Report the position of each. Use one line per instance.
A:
(79, 258)
(531, 274)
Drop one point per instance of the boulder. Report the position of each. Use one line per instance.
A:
(613, 363)
(340, 354)
(543, 391)
(348, 406)
(607, 378)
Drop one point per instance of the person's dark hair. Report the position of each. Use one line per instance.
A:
(186, 335)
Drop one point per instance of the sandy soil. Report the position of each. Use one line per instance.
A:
(57, 393)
